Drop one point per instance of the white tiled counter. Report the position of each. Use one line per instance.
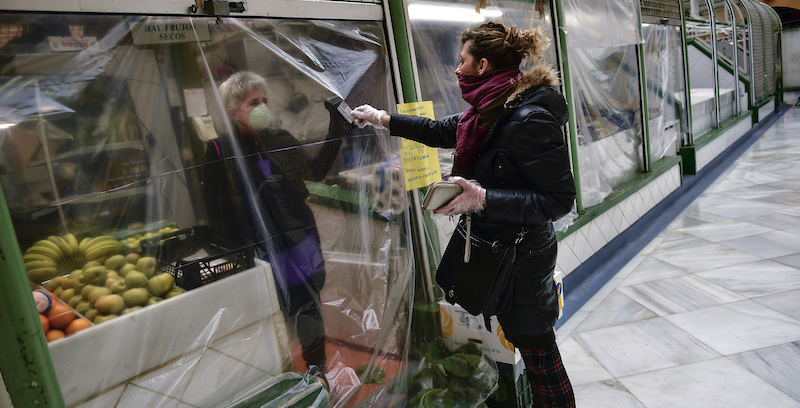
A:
(199, 348)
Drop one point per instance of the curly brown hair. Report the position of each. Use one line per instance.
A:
(504, 47)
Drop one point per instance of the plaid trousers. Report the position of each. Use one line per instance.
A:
(550, 384)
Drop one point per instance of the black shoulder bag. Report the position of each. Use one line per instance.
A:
(477, 273)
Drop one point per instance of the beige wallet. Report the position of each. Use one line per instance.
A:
(439, 194)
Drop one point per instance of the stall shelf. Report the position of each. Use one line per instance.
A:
(183, 337)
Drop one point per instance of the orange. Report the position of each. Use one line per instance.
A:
(45, 322)
(77, 325)
(54, 334)
(60, 315)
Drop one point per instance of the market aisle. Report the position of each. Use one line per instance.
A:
(708, 314)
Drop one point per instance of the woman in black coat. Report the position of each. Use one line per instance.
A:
(510, 141)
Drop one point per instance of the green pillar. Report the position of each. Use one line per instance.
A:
(425, 320)
(571, 102)
(24, 357)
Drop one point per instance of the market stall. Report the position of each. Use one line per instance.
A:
(109, 121)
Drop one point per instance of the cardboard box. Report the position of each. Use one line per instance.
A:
(559, 278)
(459, 327)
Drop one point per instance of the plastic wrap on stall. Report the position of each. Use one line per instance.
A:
(665, 88)
(436, 29)
(208, 258)
(742, 53)
(725, 44)
(702, 82)
(601, 23)
(602, 40)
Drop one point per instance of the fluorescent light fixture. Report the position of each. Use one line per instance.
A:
(442, 12)
(6, 125)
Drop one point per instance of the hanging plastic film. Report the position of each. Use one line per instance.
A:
(602, 39)
(436, 29)
(665, 89)
(187, 250)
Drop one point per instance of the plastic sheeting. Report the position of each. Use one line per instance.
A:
(107, 125)
(437, 36)
(702, 79)
(728, 84)
(790, 41)
(602, 38)
(601, 23)
(666, 92)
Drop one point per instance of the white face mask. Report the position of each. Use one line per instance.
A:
(259, 117)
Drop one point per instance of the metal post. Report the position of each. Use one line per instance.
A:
(572, 126)
(24, 356)
(645, 114)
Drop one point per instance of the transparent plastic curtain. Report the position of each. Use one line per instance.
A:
(702, 84)
(210, 263)
(436, 29)
(790, 41)
(728, 84)
(666, 95)
(743, 53)
(602, 38)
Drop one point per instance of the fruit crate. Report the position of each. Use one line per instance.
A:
(172, 251)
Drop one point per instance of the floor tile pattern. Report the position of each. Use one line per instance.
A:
(708, 313)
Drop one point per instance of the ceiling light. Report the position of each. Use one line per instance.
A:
(435, 12)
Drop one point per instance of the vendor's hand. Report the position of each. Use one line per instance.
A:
(472, 199)
(367, 115)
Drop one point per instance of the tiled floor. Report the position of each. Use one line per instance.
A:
(708, 314)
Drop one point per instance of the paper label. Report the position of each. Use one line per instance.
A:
(180, 31)
(420, 162)
(64, 44)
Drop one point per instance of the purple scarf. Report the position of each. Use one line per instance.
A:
(479, 91)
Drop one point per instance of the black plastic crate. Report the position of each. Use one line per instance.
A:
(224, 259)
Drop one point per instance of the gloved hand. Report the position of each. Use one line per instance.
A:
(367, 115)
(472, 198)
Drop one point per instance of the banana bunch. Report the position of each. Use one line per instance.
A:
(55, 256)
(134, 242)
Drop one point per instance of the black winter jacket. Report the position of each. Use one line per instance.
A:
(524, 164)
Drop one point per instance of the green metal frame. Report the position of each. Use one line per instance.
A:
(572, 126)
(621, 192)
(689, 153)
(646, 154)
(24, 355)
(714, 58)
(687, 82)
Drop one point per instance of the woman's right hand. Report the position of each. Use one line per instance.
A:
(367, 115)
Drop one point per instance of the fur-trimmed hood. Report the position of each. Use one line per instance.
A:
(539, 86)
(539, 75)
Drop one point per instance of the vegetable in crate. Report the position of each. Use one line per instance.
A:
(56, 255)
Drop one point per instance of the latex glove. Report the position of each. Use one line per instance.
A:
(472, 198)
(367, 115)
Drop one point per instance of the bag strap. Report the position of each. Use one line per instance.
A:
(464, 228)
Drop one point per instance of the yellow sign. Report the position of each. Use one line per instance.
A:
(420, 162)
